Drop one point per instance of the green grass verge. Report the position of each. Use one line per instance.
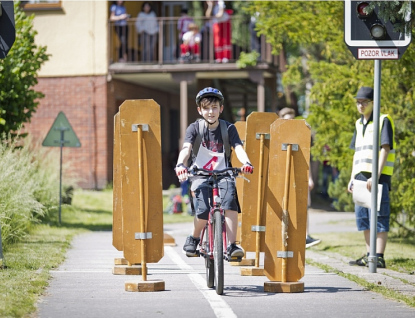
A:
(43, 249)
(399, 253)
(388, 293)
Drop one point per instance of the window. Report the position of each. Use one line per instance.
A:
(34, 5)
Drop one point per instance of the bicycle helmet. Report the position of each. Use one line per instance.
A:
(207, 92)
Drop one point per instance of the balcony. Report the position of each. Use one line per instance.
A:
(160, 65)
(164, 48)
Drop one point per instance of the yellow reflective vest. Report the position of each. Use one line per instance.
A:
(364, 148)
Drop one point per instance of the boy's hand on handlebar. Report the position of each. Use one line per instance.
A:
(247, 168)
(182, 172)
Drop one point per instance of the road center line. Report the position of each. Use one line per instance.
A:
(219, 306)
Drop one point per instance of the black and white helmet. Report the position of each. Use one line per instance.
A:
(208, 92)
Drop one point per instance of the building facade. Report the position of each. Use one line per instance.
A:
(86, 80)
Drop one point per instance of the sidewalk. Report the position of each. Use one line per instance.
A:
(322, 221)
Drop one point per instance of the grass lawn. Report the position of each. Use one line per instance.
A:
(399, 254)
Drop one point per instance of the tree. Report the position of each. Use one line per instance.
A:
(18, 75)
(322, 69)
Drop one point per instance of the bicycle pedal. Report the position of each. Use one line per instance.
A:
(197, 254)
(235, 259)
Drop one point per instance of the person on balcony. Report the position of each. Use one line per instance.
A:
(221, 30)
(184, 22)
(190, 48)
(119, 16)
(147, 28)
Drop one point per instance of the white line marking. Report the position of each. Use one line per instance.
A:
(219, 306)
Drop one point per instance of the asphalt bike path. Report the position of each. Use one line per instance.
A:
(84, 286)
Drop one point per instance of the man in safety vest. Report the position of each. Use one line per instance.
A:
(362, 143)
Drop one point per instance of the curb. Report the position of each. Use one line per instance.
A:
(402, 283)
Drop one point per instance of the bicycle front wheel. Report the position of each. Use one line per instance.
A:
(218, 251)
(208, 262)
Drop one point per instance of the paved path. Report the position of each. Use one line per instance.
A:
(85, 287)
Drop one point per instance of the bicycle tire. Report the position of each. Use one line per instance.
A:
(218, 251)
(210, 270)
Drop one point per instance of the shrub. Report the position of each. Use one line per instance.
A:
(28, 187)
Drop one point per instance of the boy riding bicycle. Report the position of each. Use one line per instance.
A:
(211, 155)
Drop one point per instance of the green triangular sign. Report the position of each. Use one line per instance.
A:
(53, 138)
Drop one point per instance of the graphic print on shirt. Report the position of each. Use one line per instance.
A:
(210, 160)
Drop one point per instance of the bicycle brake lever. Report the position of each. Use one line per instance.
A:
(243, 177)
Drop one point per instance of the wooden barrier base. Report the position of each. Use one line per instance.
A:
(169, 240)
(127, 270)
(244, 262)
(280, 287)
(252, 271)
(120, 261)
(145, 286)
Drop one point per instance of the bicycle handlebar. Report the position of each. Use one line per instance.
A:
(235, 171)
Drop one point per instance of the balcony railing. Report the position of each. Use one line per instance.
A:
(163, 47)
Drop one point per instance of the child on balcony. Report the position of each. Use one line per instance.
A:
(190, 48)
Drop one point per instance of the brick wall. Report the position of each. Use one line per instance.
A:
(90, 103)
(118, 92)
(84, 102)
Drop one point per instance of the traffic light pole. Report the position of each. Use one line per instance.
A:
(375, 164)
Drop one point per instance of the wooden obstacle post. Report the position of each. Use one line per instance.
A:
(286, 213)
(139, 166)
(241, 128)
(143, 235)
(257, 227)
(253, 219)
(284, 226)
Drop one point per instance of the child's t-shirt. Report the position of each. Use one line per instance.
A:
(212, 139)
(191, 37)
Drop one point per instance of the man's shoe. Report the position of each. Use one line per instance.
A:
(381, 263)
(190, 245)
(363, 261)
(309, 241)
(234, 251)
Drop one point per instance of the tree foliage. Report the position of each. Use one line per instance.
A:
(18, 75)
(321, 67)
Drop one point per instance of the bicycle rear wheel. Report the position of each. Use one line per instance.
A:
(218, 251)
(210, 273)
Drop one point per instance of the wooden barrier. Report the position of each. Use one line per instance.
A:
(253, 216)
(241, 128)
(138, 185)
(286, 215)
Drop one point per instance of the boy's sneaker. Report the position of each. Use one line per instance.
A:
(363, 261)
(309, 241)
(381, 263)
(190, 245)
(234, 250)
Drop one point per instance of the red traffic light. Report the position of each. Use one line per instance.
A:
(360, 9)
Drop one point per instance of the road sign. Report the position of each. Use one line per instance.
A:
(7, 28)
(365, 33)
(378, 53)
(53, 138)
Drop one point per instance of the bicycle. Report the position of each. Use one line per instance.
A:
(213, 238)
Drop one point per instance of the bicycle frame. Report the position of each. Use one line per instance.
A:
(208, 252)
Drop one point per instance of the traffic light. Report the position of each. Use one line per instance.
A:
(7, 28)
(363, 29)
